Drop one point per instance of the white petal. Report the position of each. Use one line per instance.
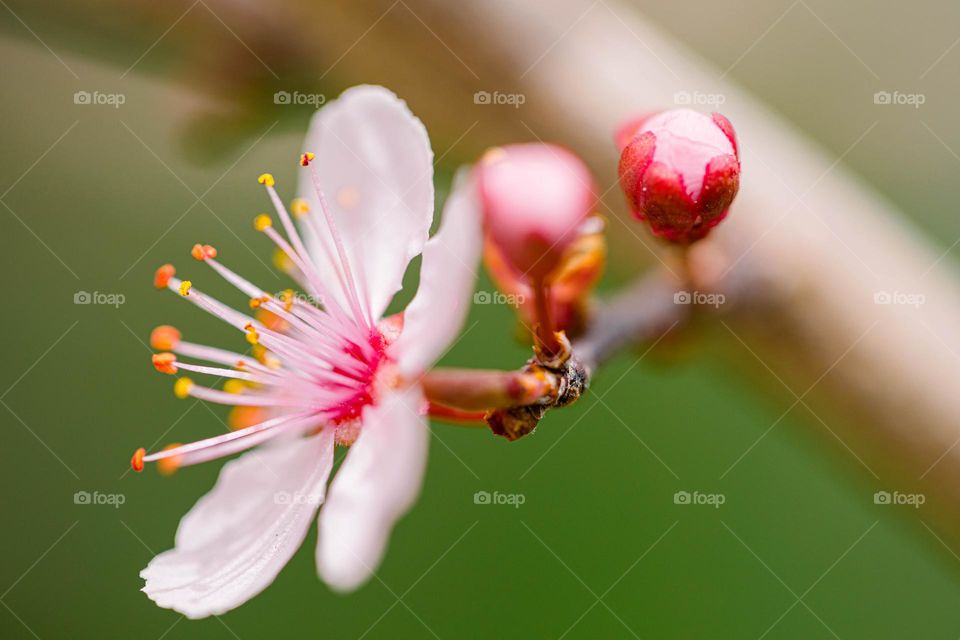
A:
(235, 540)
(376, 169)
(435, 316)
(378, 481)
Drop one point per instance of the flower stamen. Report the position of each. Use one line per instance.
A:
(165, 362)
(162, 276)
(136, 462)
(182, 388)
(165, 338)
(202, 252)
(337, 240)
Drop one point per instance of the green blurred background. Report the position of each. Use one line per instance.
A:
(95, 197)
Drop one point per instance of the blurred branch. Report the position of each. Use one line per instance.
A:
(817, 243)
(236, 54)
(641, 313)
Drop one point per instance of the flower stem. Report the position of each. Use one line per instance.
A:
(547, 342)
(483, 389)
(515, 401)
(457, 416)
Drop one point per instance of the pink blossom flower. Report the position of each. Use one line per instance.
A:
(680, 171)
(535, 198)
(339, 373)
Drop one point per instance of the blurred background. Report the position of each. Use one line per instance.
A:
(133, 130)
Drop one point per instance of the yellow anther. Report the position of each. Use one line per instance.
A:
(265, 358)
(299, 207)
(266, 179)
(282, 261)
(182, 387)
(185, 287)
(243, 417)
(286, 297)
(306, 159)
(262, 222)
(255, 303)
(252, 336)
(234, 386)
(169, 466)
(272, 321)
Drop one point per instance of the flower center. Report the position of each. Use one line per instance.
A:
(314, 362)
(355, 399)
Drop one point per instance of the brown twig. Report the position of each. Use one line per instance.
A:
(517, 400)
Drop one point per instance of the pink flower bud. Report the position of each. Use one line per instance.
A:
(535, 197)
(680, 171)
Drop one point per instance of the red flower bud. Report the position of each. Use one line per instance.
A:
(680, 171)
(535, 198)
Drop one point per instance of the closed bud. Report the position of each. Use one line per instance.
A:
(535, 197)
(680, 171)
